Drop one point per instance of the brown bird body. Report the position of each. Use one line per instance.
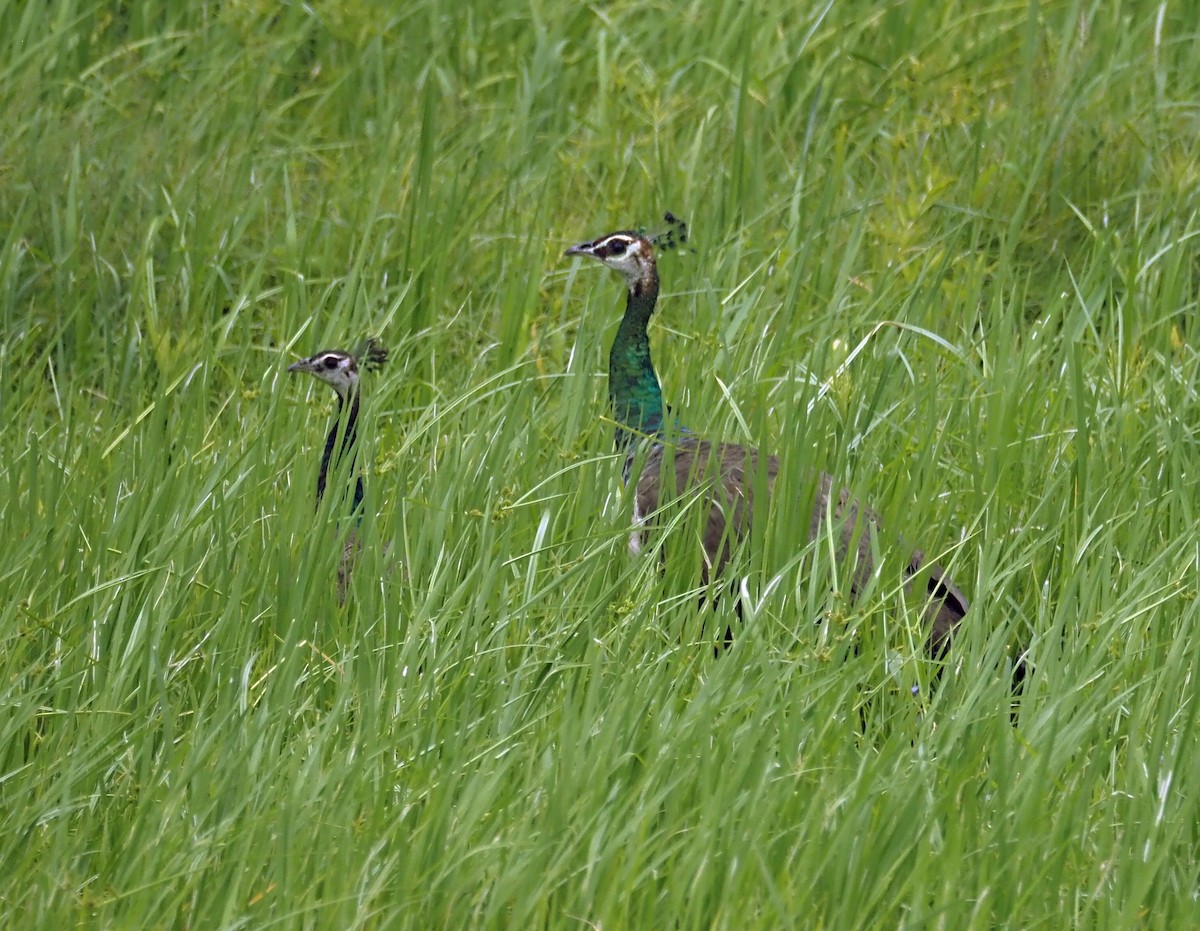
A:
(720, 479)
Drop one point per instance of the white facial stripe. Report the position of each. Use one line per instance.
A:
(331, 365)
(616, 237)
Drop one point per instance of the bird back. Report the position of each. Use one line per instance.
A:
(723, 479)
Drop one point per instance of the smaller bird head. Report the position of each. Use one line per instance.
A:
(336, 368)
(628, 253)
(339, 369)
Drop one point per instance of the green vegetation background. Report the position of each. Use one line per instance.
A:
(945, 250)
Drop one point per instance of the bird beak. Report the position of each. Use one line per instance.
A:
(301, 366)
(584, 248)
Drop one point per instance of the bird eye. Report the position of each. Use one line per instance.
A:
(617, 247)
(331, 363)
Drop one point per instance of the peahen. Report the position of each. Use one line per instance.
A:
(722, 477)
(340, 370)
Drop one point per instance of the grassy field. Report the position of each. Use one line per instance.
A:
(946, 251)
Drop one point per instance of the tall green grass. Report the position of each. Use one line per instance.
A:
(946, 252)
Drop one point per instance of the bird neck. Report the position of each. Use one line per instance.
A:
(335, 452)
(633, 388)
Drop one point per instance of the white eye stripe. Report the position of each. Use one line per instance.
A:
(613, 245)
(617, 247)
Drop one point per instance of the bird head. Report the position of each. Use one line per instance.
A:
(339, 369)
(336, 368)
(627, 253)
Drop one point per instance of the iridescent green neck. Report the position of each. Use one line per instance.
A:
(633, 388)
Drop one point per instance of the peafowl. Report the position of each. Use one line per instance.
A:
(340, 370)
(722, 477)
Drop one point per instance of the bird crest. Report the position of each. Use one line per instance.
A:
(673, 236)
(372, 355)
